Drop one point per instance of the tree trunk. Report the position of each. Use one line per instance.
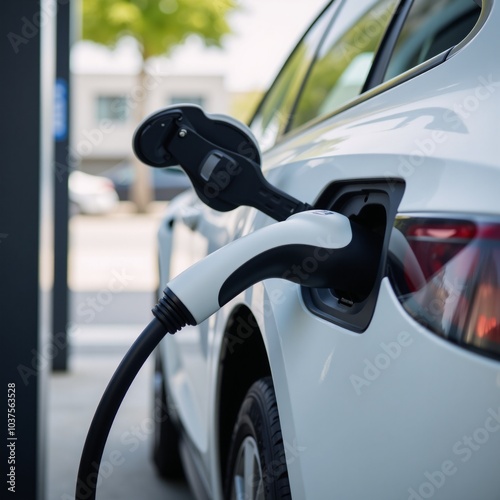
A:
(141, 189)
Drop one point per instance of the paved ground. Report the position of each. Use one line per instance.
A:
(115, 251)
(105, 321)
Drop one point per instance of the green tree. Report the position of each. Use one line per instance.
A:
(157, 26)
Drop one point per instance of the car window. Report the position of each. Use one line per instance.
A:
(432, 26)
(344, 59)
(273, 113)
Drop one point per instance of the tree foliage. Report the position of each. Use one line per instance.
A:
(157, 25)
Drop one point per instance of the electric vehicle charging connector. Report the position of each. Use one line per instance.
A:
(337, 246)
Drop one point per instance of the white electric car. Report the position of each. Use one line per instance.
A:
(387, 111)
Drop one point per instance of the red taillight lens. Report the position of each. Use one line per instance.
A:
(446, 274)
(483, 329)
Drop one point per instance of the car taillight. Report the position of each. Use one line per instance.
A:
(446, 274)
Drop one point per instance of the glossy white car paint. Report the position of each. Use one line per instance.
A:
(351, 433)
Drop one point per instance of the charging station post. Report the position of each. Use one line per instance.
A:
(27, 55)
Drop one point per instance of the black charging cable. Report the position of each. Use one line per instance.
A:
(170, 316)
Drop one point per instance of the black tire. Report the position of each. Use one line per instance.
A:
(258, 429)
(166, 456)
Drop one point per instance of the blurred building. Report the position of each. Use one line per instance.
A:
(105, 110)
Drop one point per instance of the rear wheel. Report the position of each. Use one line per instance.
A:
(166, 455)
(257, 465)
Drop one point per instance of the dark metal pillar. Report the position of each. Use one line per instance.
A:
(61, 170)
(26, 258)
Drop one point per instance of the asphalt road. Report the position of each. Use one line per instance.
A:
(112, 278)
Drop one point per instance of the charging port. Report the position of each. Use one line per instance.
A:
(373, 205)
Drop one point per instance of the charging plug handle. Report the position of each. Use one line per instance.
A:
(317, 248)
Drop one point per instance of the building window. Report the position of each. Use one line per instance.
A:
(188, 99)
(112, 107)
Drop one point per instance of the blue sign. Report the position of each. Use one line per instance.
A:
(61, 110)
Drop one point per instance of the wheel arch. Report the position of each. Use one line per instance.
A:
(243, 361)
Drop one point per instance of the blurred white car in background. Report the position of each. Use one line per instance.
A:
(91, 194)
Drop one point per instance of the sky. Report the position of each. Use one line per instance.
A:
(265, 32)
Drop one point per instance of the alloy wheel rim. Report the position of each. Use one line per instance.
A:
(248, 481)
